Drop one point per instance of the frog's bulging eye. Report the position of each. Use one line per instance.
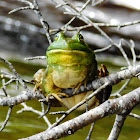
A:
(56, 37)
(81, 38)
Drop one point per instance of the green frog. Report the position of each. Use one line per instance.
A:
(70, 64)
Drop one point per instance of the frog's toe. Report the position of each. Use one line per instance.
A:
(56, 96)
(38, 86)
(63, 94)
(77, 88)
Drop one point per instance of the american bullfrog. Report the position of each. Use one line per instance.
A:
(70, 63)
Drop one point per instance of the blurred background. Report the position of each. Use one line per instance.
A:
(21, 35)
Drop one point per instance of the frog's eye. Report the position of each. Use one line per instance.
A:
(81, 38)
(56, 37)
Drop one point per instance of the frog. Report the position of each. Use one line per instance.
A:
(70, 64)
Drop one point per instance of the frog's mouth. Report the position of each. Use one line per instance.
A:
(69, 57)
(62, 50)
(66, 53)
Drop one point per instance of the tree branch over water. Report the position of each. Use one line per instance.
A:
(112, 79)
(121, 106)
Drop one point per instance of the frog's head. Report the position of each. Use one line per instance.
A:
(69, 51)
(66, 43)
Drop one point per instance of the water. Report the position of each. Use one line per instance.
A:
(27, 123)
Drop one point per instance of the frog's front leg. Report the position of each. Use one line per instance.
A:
(48, 86)
(38, 79)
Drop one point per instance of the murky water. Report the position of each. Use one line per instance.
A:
(27, 123)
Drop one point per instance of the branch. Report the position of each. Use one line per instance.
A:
(27, 108)
(112, 79)
(34, 58)
(7, 118)
(15, 73)
(35, 7)
(10, 101)
(119, 121)
(134, 116)
(113, 106)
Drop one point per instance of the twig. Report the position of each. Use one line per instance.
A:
(68, 23)
(47, 110)
(90, 131)
(98, 24)
(59, 112)
(132, 46)
(11, 77)
(123, 52)
(34, 58)
(113, 106)
(98, 2)
(15, 73)
(134, 116)
(43, 107)
(7, 118)
(85, 5)
(103, 49)
(4, 87)
(27, 108)
(121, 89)
(34, 6)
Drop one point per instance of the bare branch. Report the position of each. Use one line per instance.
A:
(34, 58)
(132, 47)
(112, 79)
(27, 108)
(34, 6)
(121, 89)
(14, 71)
(7, 118)
(90, 131)
(134, 116)
(79, 104)
(98, 24)
(103, 49)
(119, 121)
(113, 106)
(96, 3)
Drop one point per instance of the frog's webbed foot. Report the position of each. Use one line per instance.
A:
(38, 86)
(103, 71)
(38, 79)
(56, 96)
(107, 91)
(77, 87)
